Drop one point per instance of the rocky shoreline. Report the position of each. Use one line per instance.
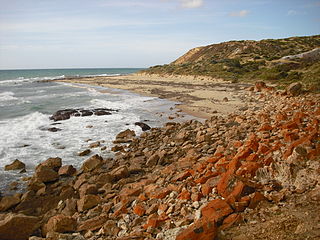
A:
(188, 180)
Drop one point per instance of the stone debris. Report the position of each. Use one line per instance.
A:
(183, 181)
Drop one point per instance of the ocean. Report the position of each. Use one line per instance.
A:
(27, 102)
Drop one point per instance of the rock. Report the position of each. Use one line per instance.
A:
(67, 113)
(87, 202)
(84, 153)
(225, 99)
(87, 189)
(94, 145)
(144, 127)
(54, 129)
(17, 226)
(46, 174)
(92, 224)
(53, 163)
(91, 163)
(8, 201)
(216, 210)
(15, 165)
(125, 136)
(294, 89)
(67, 170)
(153, 160)
(258, 86)
(117, 148)
(120, 172)
(202, 229)
(61, 224)
(110, 228)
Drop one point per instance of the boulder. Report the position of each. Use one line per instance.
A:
(84, 153)
(67, 113)
(294, 89)
(53, 163)
(144, 127)
(153, 160)
(67, 170)
(61, 224)
(125, 136)
(17, 226)
(46, 174)
(201, 229)
(9, 201)
(120, 172)
(93, 223)
(15, 165)
(87, 202)
(91, 163)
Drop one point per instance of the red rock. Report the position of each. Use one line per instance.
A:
(87, 202)
(67, 170)
(184, 195)
(92, 224)
(201, 229)
(256, 199)
(120, 208)
(216, 210)
(152, 222)
(230, 220)
(206, 188)
(252, 157)
(160, 193)
(290, 125)
(265, 127)
(17, 226)
(61, 224)
(248, 169)
(243, 152)
(139, 210)
(92, 163)
(181, 176)
(195, 197)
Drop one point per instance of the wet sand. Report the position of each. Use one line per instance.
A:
(202, 97)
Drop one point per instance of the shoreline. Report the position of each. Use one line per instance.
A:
(169, 182)
(201, 97)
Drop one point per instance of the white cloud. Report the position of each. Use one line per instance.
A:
(191, 3)
(292, 13)
(242, 13)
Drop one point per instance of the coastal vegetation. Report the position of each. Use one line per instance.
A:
(279, 61)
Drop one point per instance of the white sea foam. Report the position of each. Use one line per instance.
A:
(22, 80)
(7, 96)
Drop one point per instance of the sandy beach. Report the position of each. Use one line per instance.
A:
(202, 97)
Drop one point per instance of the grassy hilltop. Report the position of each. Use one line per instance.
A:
(281, 61)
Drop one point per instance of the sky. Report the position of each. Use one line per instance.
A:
(36, 34)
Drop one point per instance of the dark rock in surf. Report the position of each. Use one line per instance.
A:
(144, 127)
(67, 113)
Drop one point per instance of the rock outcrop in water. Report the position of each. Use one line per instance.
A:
(184, 181)
(67, 113)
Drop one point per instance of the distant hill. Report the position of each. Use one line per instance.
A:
(280, 61)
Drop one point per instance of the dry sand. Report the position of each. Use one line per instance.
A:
(202, 97)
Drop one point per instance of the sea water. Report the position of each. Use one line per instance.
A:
(27, 102)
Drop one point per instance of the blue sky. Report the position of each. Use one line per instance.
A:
(139, 33)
